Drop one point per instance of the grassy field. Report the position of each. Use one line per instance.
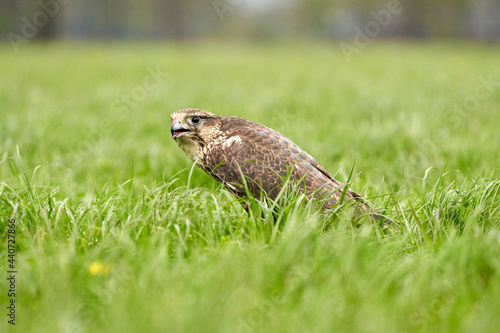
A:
(116, 232)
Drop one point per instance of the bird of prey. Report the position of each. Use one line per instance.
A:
(246, 156)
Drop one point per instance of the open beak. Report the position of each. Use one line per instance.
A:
(177, 130)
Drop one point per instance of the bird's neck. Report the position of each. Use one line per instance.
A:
(192, 148)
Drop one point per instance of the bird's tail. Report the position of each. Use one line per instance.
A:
(363, 208)
(384, 221)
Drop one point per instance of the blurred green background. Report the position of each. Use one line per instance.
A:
(86, 111)
(116, 232)
(246, 20)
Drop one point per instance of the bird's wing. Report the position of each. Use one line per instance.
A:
(265, 158)
(248, 156)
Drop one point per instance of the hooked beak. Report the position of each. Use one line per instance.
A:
(178, 130)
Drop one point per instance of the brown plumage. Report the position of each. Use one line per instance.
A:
(229, 147)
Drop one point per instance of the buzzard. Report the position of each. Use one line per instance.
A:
(244, 155)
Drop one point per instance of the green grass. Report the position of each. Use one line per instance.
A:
(116, 232)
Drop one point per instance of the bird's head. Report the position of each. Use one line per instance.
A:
(193, 128)
(192, 124)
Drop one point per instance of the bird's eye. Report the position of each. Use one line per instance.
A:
(195, 120)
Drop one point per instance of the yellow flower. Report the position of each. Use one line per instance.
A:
(97, 268)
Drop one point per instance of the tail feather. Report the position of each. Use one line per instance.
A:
(383, 220)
